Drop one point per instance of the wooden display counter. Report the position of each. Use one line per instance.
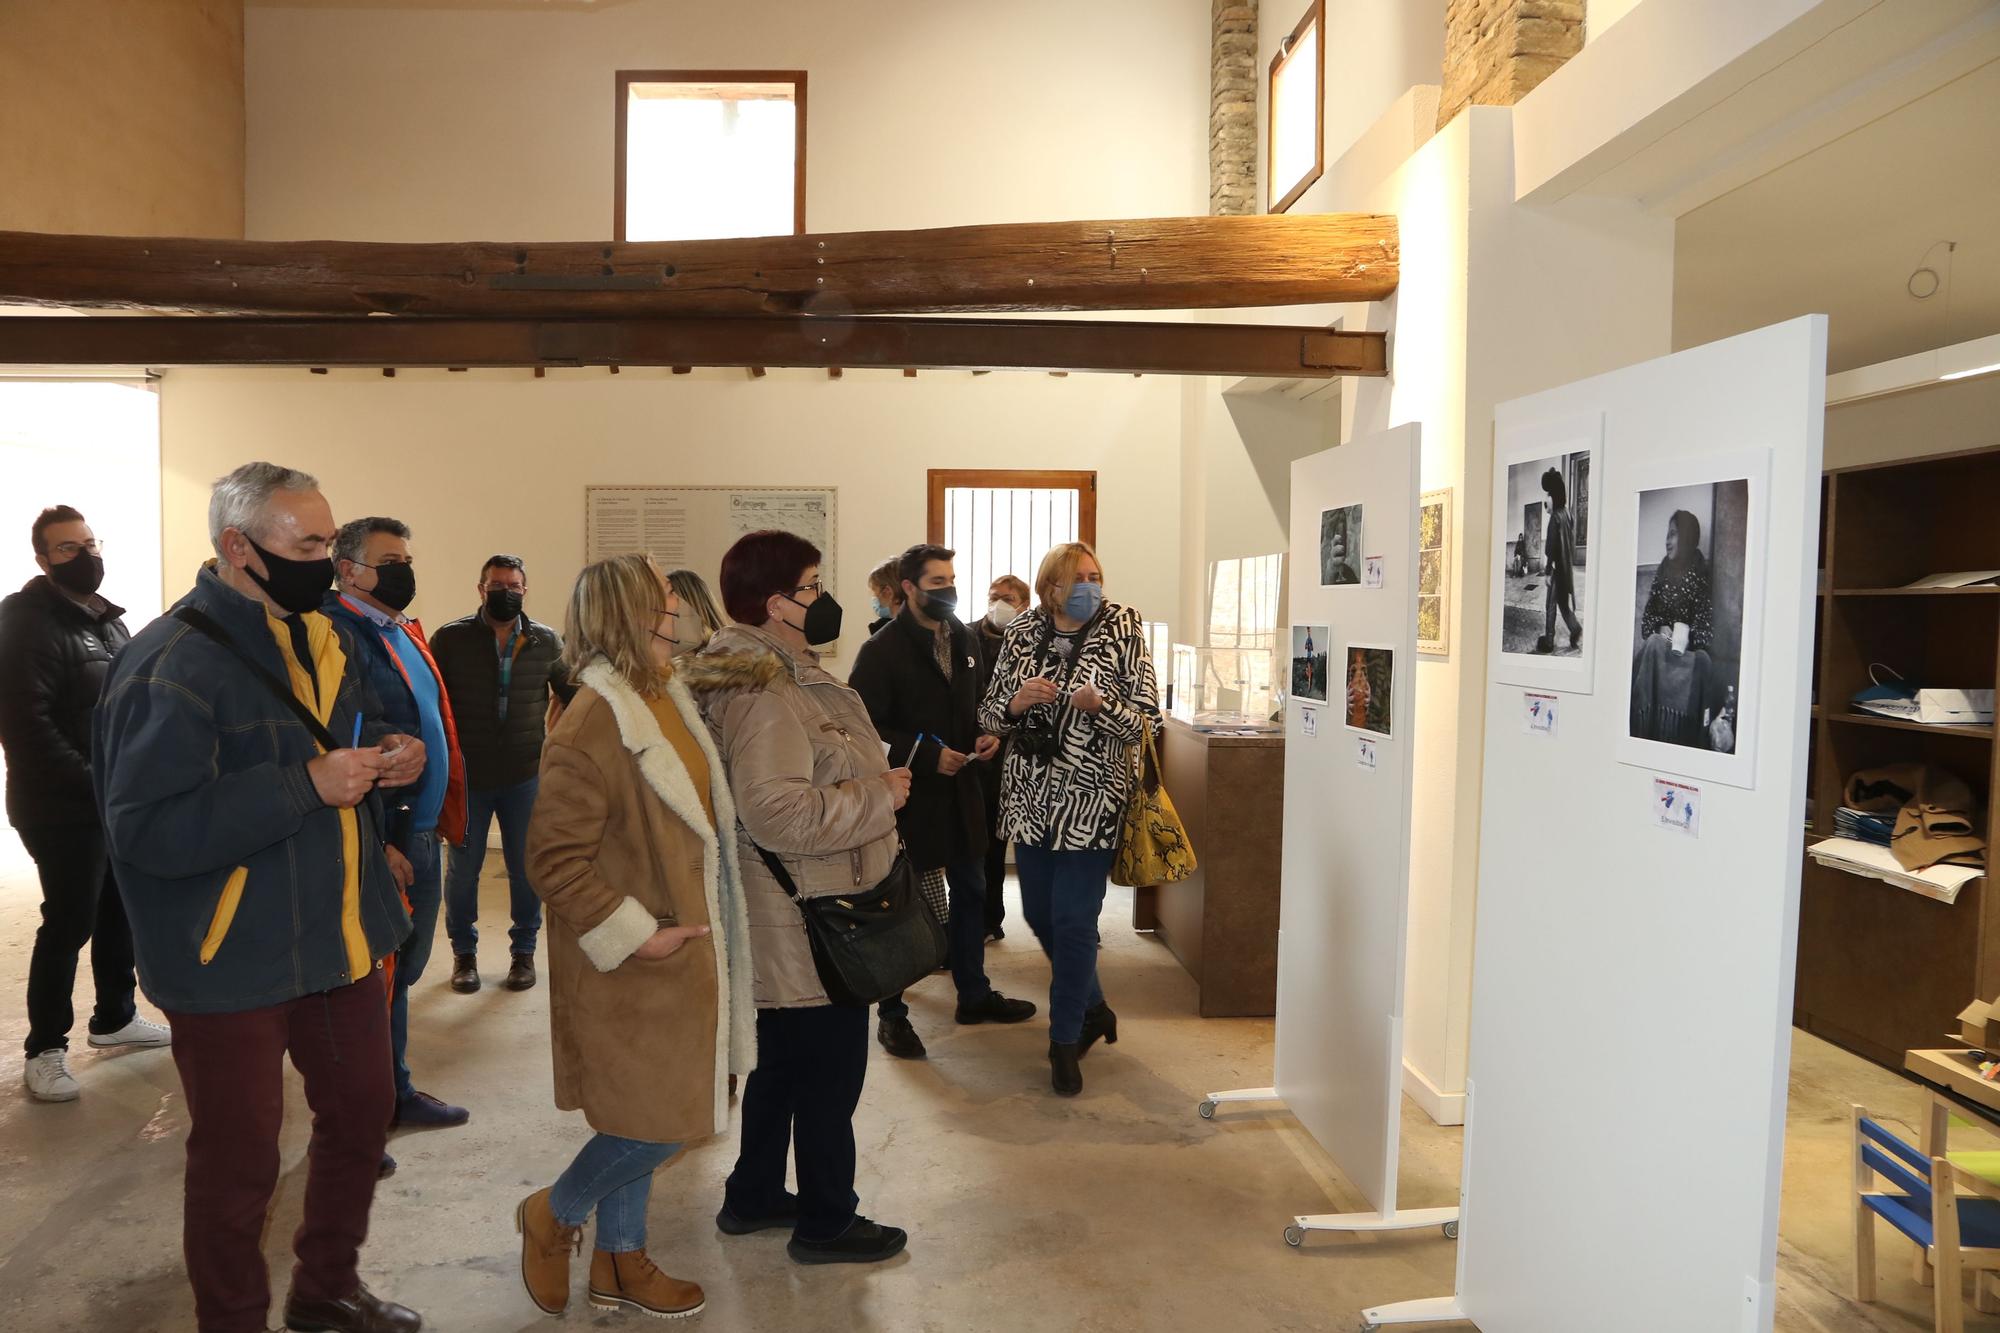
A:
(1222, 921)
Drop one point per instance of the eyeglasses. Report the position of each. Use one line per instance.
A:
(70, 550)
(816, 587)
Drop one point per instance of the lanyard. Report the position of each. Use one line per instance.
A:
(507, 665)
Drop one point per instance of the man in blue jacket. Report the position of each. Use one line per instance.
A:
(238, 763)
(378, 581)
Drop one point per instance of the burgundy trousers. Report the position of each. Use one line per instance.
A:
(232, 1070)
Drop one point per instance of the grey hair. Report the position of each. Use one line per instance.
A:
(239, 499)
(353, 536)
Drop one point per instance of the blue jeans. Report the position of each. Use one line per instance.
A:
(614, 1176)
(513, 805)
(967, 933)
(1062, 895)
(426, 891)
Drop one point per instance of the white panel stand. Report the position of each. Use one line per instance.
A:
(1632, 979)
(1347, 843)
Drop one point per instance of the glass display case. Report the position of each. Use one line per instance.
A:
(1233, 688)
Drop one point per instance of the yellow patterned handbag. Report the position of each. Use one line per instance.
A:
(1153, 846)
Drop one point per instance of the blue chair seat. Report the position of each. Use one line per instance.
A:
(1978, 1219)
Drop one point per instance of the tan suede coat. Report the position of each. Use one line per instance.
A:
(802, 759)
(618, 843)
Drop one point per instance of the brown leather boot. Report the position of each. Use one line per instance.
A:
(630, 1279)
(521, 975)
(546, 1246)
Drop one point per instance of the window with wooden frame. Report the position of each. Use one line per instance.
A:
(1004, 520)
(704, 154)
(1295, 153)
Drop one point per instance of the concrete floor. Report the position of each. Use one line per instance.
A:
(1119, 1210)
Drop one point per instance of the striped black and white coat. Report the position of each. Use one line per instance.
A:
(1075, 800)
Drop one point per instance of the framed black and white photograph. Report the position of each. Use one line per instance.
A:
(1340, 534)
(1311, 647)
(1370, 682)
(1545, 513)
(1696, 616)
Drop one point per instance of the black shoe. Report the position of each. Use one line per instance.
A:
(521, 975)
(387, 1168)
(863, 1242)
(420, 1110)
(729, 1224)
(363, 1312)
(899, 1039)
(995, 934)
(996, 1008)
(465, 973)
(1545, 644)
(1098, 1021)
(1064, 1075)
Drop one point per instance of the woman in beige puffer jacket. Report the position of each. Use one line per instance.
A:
(812, 786)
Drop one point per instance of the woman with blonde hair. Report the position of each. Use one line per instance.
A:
(698, 605)
(633, 848)
(1074, 692)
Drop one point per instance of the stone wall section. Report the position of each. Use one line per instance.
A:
(1498, 51)
(1232, 108)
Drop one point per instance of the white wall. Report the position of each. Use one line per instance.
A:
(492, 461)
(372, 123)
(1958, 414)
(491, 123)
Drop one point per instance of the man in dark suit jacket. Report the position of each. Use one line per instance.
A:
(920, 678)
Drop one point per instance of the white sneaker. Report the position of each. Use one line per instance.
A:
(48, 1079)
(138, 1032)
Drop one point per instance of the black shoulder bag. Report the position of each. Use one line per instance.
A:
(872, 943)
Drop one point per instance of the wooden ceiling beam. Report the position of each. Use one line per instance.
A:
(1140, 264)
(892, 342)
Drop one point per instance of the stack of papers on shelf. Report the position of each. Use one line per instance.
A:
(1863, 826)
(1964, 579)
(1873, 862)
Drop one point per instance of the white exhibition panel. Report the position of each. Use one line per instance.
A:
(1632, 982)
(1344, 897)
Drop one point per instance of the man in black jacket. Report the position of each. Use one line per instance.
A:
(920, 678)
(501, 670)
(57, 639)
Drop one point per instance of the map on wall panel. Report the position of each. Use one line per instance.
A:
(689, 527)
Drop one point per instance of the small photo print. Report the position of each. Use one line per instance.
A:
(1310, 648)
(1687, 630)
(1371, 676)
(1340, 536)
(1544, 551)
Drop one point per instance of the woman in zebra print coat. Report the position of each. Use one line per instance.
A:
(1074, 688)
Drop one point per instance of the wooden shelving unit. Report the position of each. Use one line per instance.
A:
(1881, 969)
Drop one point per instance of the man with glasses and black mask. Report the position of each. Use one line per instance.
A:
(57, 639)
(378, 581)
(502, 673)
(921, 679)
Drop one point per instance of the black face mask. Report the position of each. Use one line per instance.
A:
(297, 586)
(395, 584)
(822, 622)
(503, 604)
(79, 576)
(941, 603)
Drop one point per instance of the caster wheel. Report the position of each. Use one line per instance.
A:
(1370, 1328)
(1206, 1110)
(1451, 1231)
(1294, 1237)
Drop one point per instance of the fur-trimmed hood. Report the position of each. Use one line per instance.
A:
(737, 657)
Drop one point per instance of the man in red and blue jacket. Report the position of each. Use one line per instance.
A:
(377, 584)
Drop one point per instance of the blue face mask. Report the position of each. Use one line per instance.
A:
(1084, 600)
(881, 612)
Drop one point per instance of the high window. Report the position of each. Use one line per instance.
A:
(1003, 521)
(1298, 109)
(710, 153)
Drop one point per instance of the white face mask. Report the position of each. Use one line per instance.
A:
(1000, 614)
